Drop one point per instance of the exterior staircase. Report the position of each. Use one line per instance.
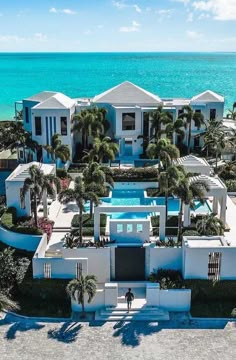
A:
(119, 313)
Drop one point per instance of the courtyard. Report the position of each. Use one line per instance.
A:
(179, 338)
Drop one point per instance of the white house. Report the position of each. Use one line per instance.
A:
(15, 182)
(128, 107)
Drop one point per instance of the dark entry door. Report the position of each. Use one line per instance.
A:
(130, 263)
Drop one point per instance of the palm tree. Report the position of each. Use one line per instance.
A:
(232, 112)
(78, 288)
(102, 148)
(174, 128)
(158, 118)
(57, 150)
(80, 195)
(189, 116)
(39, 186)
(163, 150)
(210, 225)
(90, 122)
(187, 190)
(96, 178)
(7, 304)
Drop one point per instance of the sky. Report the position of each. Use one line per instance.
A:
(125, 25)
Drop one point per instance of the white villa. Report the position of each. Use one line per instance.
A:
(128, 107)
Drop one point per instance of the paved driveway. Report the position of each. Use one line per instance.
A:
(176, 339)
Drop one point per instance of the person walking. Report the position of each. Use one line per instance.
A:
(129, 296)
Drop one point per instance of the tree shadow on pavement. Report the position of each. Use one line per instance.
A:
(21, 326)
(67, 333)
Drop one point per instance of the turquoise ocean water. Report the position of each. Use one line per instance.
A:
(88, 74)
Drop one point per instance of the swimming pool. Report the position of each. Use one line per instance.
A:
(136, 198)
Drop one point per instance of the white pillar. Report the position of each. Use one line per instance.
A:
(186, 215)
(223, 201)
(111, 294)
(45, 204)
(162, 226)
(215, 205)
(153, 294)
(96, 223)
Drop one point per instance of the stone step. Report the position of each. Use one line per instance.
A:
(132, 312)
(132, 316)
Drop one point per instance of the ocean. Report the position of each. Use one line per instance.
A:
(88, 74)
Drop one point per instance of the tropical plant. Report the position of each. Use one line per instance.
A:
(163, 150)
(39, 186)
(158, 118)
(7, 304)
(187, 190)
(103, 148)
(78, 288)
(57, 150)
(210, 225)
(90, 122)
(80, 195)
(98, 173)
(228, 171)
(175, 128)
(71, 239)
(189, 116)
(232, 112)
(12, 269)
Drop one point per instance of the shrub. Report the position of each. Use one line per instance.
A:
(231, 185)
(61, 173)
(208, 290)
(190, 232)
(152, 192)
(167, 278)
(135, 174)
(87, 221)
(9, 218)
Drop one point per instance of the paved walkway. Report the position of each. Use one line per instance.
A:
(177, 339)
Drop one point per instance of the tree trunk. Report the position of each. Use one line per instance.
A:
(80, 225)
(91, 209)
(216, 168)
(166, 204)
(189, 135)
(24, 155)
(180, 220)
(35, 211)
(83, 310)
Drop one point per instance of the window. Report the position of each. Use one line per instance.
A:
(198, 111)
(22, 200)
(181, 111)
(139, 227)
(38, 125)
(119, 228)
(129, 228)
(214, 265)
(21, 154)
(78, 270)
(26, 114)
(196, 142)
(47, 271)
(128, 121)
(212, 114)
(63, 125)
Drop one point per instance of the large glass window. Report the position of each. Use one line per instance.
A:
(128, 121)
(212, 114)
(38, 125)
(63, 125)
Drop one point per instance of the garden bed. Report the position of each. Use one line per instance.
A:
(135, 174)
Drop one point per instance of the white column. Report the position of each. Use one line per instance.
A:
(96, 223)
(223, 201)
(153, 294)
(186, 215)
(111, 294)
(162, 226)
(215, 205)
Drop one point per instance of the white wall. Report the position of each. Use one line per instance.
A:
(132, 236)
(135, 185)
(175, 300)
(14, 200)
(97, 303)
(165, 258)
(20, 241)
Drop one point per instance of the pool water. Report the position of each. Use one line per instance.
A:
(136, 198)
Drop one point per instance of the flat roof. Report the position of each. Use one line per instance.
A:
(204, 241)
(22, 171)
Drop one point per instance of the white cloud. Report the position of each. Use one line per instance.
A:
(11, 38)
(190, 17)
(122, 5)
(193, 34)
(164, 14)
(185, 2)
(40, 37)
(133, 28)
(62, 11)
(220, 9)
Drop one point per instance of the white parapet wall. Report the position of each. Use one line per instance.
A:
(132, 185)
(175, 299)
(20, 241)
(97, 303)
(165, 258)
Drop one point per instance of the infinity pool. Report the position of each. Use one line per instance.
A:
(136, 197)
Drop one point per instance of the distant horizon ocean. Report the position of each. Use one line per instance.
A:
(88, 74)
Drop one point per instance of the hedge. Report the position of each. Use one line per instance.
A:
(208, 290)
(231, 185)
(135, 174)
(62, 173)
(87, 221)
(9, 221)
